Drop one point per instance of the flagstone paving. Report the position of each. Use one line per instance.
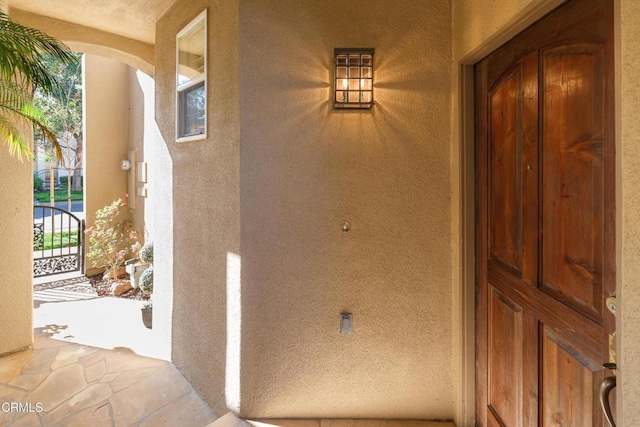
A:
(60, 383)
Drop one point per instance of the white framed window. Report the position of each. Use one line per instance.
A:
(191, 80)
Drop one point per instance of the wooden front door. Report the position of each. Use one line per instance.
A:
(545, 220)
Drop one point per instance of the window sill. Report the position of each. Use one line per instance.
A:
(191, 138)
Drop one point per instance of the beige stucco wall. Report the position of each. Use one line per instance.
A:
(153, 214)
(105, 118)
(628, 131)
(136, 146)
(205, 191)
(16, 269)
(305, 168)
(301, 168)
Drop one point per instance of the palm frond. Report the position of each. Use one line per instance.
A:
(22, 68)
(20, 53)
(17, 103)
(14, 140)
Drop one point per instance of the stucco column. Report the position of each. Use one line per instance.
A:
(16, 256)
(106, 105)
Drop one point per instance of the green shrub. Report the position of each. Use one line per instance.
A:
(63, 181)
(146, 253)
(110, 240)
(38, 183)
(146, 280)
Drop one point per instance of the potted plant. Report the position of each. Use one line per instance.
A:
(136, 266)
(146, 283)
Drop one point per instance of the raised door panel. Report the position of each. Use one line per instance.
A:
(573, 129)
(505, 171)
(505, 359)
(570, 382)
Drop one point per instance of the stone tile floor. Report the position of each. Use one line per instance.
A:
(88, 367)
(60, 383)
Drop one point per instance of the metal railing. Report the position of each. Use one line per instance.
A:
(58, 241)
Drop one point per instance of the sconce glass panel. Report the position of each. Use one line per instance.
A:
(353, 82)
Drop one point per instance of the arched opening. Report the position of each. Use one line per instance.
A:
(119, 124)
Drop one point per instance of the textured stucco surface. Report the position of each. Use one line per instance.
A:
(304, 169)
(136, 143)
(130, 19)
(16, 269)
(83, 38)
(205, 197)
(299, 168)
(153, 214)
(106, 123)
(481, 26)
(628, 92)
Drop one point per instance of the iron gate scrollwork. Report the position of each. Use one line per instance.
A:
(58, 241)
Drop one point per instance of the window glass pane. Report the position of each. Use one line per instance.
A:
(192, 111)
(353, 79)
(191, 53)
(341, 60)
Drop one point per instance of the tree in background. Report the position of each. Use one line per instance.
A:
(22, 70)
(64, 113)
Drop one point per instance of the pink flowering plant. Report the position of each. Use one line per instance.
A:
(110, 239)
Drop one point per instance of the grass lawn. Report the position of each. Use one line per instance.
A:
(60, 195)
(62, 239)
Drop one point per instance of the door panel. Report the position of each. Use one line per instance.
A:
(505, 192)
(569, 384)
(545, 195)
(572, 179)
(506, 359)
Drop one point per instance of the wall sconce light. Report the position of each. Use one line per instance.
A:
(353, 82)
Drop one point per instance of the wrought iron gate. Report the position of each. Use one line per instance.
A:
(58, 241)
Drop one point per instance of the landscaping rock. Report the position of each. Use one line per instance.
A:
(120, 288)
(120, 271)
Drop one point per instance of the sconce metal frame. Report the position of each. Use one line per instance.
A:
(353, 77)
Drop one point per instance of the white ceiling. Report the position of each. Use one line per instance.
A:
(135, 19)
